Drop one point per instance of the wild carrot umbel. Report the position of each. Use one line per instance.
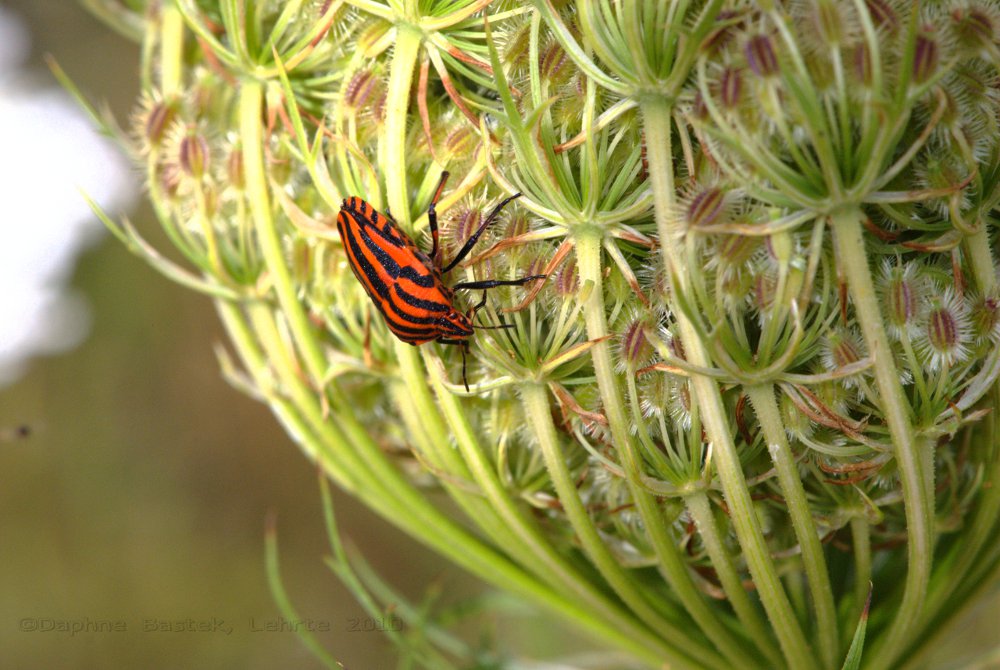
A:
(760, 384)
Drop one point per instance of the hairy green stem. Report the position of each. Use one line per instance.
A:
(588, 256)
(251, 99)
(528, 534)
(766, 407)
(171, 50)
(700, 508)
(392, 141)
(980, 252)
(656, 118)
(382, 487)
(536, 403)
(916, 484)
(424, 423)
(971, 553)
(862, 543)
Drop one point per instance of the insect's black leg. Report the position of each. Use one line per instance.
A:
(493, 283)
(465, 377)
(432, 218)
(471, 242)
(465, 349)
(478, 306)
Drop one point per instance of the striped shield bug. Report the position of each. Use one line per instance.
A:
(406, 284)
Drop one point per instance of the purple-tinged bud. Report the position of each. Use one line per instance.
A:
(728, 22)
(679, 404)
(926, 56)
(567, 280)
(363, 85)
(236, 176)
(371, 38)
(902, 292)
(517, 224)
(378, 107)
(946, 331)
(861, 64)
(636, 348)
(193, 154)
(829, 21)
(461, 143)
(974, 28)
(159, 120)
(735, 250)
(169, 178)
(760, 55)
(840, 349)
(730, 87)
(763, 292)
(882, 15)
(644, 175)
(707, 208)
(986, 317)
(462, 224)
(518, 46)
(677, 347)
(554, 64)
(534, 266)
(699, 110)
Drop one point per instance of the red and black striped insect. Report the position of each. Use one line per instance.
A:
(405, 283)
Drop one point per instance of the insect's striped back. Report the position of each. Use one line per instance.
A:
(397, 276)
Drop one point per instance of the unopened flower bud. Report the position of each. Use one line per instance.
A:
(234, 169)
(159, 119)
(946, 331)
(464, 223)
(902, 291)
(361, 88)
(974, 28)
(635, 346)
(926, 57)
(708, 207)
(861, 64)
(568, 280)
(461, 143)
(730, 87)
(986, 317)
(193, 154)
(759, 51)
(882, 14)
(841, 348)
(554, 64)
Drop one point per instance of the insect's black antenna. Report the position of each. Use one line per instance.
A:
(502, 326)
(493, 283)
(471, 242)
(432, 217)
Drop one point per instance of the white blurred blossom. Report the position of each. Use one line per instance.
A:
(49, 152)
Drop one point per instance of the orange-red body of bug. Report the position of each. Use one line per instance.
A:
(404, 283)
(399, 278)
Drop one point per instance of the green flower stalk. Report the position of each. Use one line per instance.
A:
(750, 414)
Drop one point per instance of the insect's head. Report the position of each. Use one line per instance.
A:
(455, 324)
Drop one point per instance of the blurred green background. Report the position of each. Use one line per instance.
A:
(142, 490)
